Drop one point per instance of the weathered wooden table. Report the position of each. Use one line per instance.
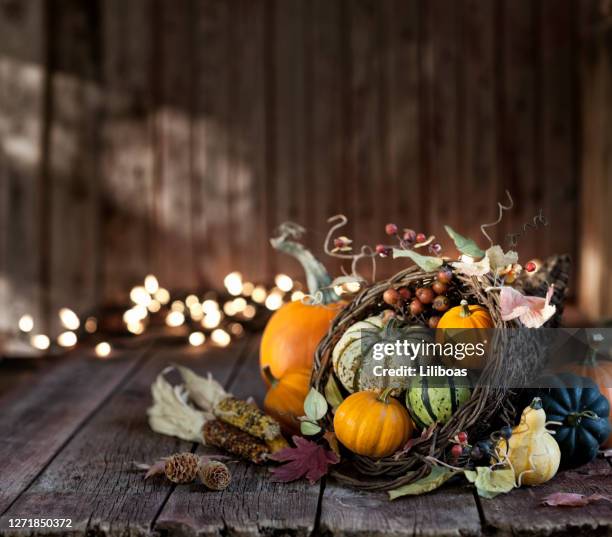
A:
(71, 427)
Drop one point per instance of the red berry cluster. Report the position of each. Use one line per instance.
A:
(408, 239)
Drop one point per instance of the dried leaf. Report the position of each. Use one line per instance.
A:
(532, 311)
(156, 469)
(498, 259)
(464, 245)
(426, 263)
(424, 436)
(475, 268)
(307, 459)
(315, 405)
(572, 499)
(437, 477)
(489, 483)
(332, 393)
(205, 392)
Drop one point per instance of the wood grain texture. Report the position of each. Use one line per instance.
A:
(92, 480)
(48, 411)
(521, 512)
(252, 504)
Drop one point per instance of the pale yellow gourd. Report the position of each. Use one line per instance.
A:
(532, 451)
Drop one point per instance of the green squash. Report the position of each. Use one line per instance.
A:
(583, 412)
(353, 356)
(436, 401)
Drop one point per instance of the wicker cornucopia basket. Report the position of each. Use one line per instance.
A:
(490, 399)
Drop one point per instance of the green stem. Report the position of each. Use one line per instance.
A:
(536, 404)
(465, 310)
(576, 417)
(267, 372)
(317, 277)
(385, 394)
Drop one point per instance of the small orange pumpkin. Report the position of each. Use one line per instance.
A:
(600, 372)
(372, 424)
(293, 333)
(285, 398)
(465, 324)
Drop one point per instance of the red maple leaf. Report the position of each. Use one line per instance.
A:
(307, 459)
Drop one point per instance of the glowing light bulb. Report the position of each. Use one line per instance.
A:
(191, 300)
(154, 306)
(229, 309)
(177, 305)
(249, 312)
(40, 342)
(151, 284)
(69, 319)
(247, 288)
(259, 294)
(91, 325)
(297, 296)
(196, 339)
(236, 329)
(212, 319)
(136, 328)
(103, 349)
(209, 306)
(233, 283)
(175, 318)
(26, 323)
(274, 301)
(162, 295)
(283, 282)
(139, 296)
(239, 304)
(220, 337)
(67, 339)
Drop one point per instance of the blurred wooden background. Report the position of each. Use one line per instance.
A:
(171, 137)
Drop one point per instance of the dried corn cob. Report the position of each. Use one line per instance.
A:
(277, 444)
(237, 442)
(248, 418)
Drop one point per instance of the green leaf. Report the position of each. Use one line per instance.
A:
(309, 428)
(437, 477)
(425, 262)
(315, 405)
(489, 483)
(464, 245)
(332, 393)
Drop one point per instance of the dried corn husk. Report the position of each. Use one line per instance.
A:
(204, 392)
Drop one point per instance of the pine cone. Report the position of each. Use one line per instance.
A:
(182, 467)
(215, 475)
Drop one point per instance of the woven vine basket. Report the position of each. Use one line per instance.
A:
(490, 400)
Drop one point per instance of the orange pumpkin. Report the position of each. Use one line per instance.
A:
(465, 324)
(285, 398)
(292, 334)
(600, 371)
(372, 424)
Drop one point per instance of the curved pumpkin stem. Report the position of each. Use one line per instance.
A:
(384, 395)
(317, 277)
(267, 373)
(465, 309)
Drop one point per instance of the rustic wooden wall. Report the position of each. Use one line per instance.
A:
(173, 136)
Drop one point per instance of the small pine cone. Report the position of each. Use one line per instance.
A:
(182, 467)
(215, 475)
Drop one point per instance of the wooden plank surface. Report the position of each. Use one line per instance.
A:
(46, 412)
(252, 504)
(92, 480)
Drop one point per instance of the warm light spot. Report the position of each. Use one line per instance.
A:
(196, 312)
(212, 319)
(228, 308)
(135, 327)
(40, 342)
(26, 323)
(69, 319)
(191, 300)
(103, 349)
(139, 296)
(297, 296)
(154, 306)
(274, 301)
(233, 283)
(247, 288)
(135, 315)
(91, 325)
(175, 318)
(177, 305)
(151, 284)
(67, 339)
(209, 306)
(162, 295)
(283, 282)
(237, 329)
(220, 337)
(249, 312)
(239, 304)
(259, 294)
(196, 339)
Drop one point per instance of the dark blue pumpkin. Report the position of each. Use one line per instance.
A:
(578, 405)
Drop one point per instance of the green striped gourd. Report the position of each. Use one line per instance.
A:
(353, 358)
(436, 401)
